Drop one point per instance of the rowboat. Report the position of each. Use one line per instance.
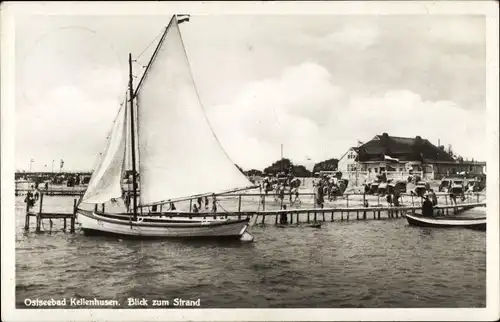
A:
(476, 223)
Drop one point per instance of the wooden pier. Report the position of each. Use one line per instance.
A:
(321, 214)
(40, 216)
(70, 191)
(278, 217)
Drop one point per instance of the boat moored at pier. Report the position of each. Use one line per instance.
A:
(163, 131)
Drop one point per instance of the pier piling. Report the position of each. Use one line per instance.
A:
(72, 224)
(38, 223)
(27, 219)
(41, 203)
(239, 206)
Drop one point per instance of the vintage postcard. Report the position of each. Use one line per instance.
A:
(249, 161)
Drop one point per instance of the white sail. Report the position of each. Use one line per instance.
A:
(179, 155)
(105, 183)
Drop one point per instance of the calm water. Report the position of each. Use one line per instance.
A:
(373, 263)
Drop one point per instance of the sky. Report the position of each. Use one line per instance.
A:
(316, 84)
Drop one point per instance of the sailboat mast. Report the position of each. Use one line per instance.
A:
(132, 135)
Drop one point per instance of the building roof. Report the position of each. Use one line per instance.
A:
(354, 148)
(404, 149)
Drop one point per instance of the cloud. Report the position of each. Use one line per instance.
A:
(68, 123)
(358, 37)
(314, 83)
(311, 116)
(469, 31)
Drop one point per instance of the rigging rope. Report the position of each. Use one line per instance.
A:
(156, 38)
(221, 205)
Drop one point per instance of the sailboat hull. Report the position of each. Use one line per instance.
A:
(93, 223)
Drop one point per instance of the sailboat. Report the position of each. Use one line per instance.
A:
(163, 128)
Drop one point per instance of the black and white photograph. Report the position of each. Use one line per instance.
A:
(161, 159)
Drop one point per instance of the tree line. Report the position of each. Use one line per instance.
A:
(286, 166)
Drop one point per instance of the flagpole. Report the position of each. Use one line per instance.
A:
(281, 157)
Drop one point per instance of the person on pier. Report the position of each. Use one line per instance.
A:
(30, 200)
(281, 192)
(34, 192)
(295, 191)
(171, 207)
(453, 198)
(395, 198)
(389, 200)
(126, 200)
(283, 216)
(319, 198)
(433, 197)
(427, 207)
(199, 202)
(214, 203)
(206, 202)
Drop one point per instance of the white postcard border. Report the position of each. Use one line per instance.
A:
(11, 9)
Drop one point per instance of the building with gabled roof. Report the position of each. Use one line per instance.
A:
(392, 153)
